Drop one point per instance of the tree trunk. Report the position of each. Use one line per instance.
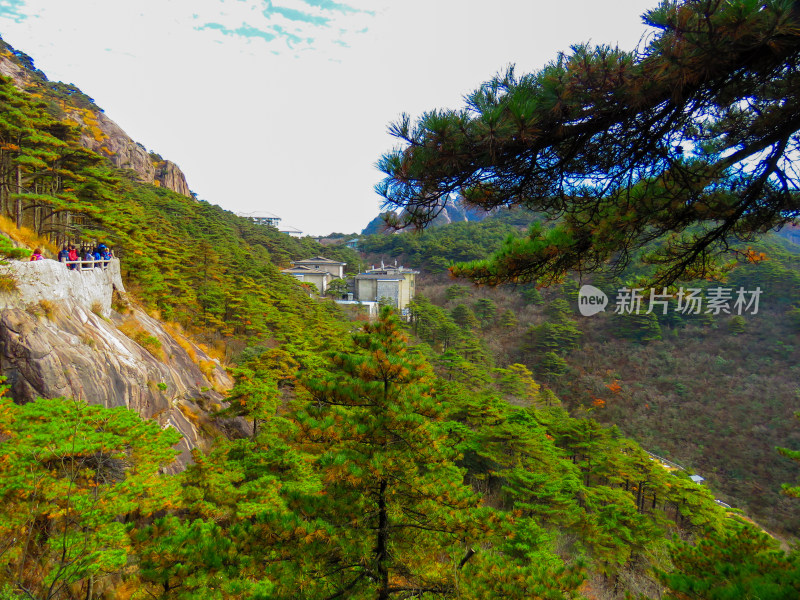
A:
(382, 543)
(18, 201)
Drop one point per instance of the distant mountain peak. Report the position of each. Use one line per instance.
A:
(454, 210)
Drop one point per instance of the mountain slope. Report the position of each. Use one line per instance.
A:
(98, 133)
(713, 393)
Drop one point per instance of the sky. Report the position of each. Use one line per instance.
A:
(283, 105)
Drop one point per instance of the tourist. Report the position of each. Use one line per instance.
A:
(63, 254)
(106, 254)
(73, 256)
(37, 254)
(90, 258)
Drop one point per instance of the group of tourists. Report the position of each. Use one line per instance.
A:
(96, 257)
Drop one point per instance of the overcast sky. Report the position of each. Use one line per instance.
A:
(282, 105)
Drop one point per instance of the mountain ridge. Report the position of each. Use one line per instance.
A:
(98, 132)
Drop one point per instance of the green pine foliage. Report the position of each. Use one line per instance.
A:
(373, 468)
(441, 246)
(681, 383)
(394, 498)
(508, 320)
(741, 562)
(464, 316)
(70, 478)
(639, 327)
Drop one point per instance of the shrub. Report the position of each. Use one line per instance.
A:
(207, 369)
(737, 325)
(456, 291)
(8, 283)
(48, 308)
(119, 303)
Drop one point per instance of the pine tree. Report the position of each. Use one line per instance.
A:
(738, 562)
(531, 295)
(234, 533)
(737, 325)
(256, 392)
(70, 477)
(399, 513)
(551, 365)
(690, 140)
(640, 327)
(464, 316)
(455, 291)
(508, 320)
(485, 311)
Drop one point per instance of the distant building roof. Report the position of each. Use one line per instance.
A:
(318, 260)
(381, 276)
(303, 270)
(263, 217)
(259, 214)
(390, 270)
(697, 478)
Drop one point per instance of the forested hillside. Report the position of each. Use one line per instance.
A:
(374, 467)
(715, 393)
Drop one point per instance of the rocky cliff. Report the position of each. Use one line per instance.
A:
(98, 132)
(450, 210)
(103, 136)
(61, 336)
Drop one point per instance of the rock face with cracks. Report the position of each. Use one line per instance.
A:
(60, 336)
(98, 132)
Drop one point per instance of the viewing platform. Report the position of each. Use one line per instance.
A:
(84, 265)
(90, 285)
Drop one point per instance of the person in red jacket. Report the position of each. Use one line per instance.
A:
(73, 256)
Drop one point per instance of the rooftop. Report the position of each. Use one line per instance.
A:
(381, 276)
(304, 270)
(318, 260)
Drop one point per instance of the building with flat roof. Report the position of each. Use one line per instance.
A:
(319, 277)
(394, 285)
(318, 270)
(333, 267)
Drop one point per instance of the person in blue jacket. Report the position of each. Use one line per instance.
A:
(105, 254)
(88, 258)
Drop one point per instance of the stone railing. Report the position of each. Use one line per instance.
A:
(84, 265)
(46, 279)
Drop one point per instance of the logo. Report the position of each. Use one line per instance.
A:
(591, 300)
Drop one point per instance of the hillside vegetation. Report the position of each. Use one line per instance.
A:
(376, 468)
(714, 393)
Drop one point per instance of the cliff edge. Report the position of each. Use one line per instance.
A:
(97, 132)
(61, 335)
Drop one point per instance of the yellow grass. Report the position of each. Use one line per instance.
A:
(49, 308)
(7, 283)
(26, 236)
(176, 333)
(141, 336)
(207, 367)
(217, 351)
